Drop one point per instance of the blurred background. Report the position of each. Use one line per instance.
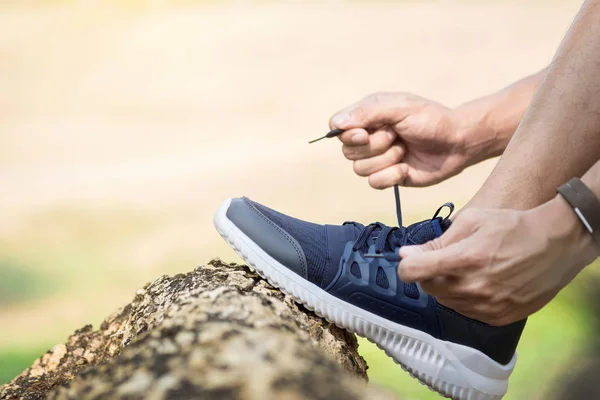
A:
(124, 124)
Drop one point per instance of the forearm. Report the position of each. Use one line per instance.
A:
(488, 123)
(559, 136)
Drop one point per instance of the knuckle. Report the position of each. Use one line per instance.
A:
(376, 183)
(522, 299)
(345, 138)
(379, 143)
(470, 259)
(394, 155)
(481, 289)
(476, 257)
(472, 291)
(468, 216)
(461, 290)
(486, 290)
(350, 153)
(360, 168)
(398, 175)
(397, 154)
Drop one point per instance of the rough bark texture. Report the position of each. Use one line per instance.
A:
(218, 332)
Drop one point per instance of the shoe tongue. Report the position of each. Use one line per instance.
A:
(424, 231)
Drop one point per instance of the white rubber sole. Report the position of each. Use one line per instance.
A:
(454, 371)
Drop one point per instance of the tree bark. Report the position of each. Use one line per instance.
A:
(218, 332)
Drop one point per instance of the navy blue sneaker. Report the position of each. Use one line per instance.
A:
(347, 275)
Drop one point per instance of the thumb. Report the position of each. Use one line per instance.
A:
(407, 251)
(374, 110)
(461, 228)
(438, 257)
(424, 265)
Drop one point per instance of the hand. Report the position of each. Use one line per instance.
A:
(500, 266)
(400, 138)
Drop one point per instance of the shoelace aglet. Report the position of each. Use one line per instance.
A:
(374, 255)
(389, 257)
(316, 140)
(330, 134)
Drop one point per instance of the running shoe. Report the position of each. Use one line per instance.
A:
(347, 274)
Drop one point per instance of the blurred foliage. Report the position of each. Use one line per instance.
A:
(19, 283)
(14, 361)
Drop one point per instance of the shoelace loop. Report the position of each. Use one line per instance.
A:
(388, 238)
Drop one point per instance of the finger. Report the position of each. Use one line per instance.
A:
(354, 137)
(371, 165)
(388, 177)
(442, 286)
(461, 229)
(379, 142)
(374, 110)
(430, 264)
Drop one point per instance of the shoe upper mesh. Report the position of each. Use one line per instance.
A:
(311, 237)
(313, 240)
(381, 279)
(421, 232)
(411, 291)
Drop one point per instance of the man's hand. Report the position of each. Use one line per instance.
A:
(499, 266)
(400, 138)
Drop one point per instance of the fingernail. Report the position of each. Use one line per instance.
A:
(340, 119)
(407, 251)
(360, 137)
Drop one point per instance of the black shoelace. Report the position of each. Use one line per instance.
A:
(388, 238)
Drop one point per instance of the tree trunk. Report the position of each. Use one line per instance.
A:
(218, 332)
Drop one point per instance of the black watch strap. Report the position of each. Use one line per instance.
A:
(585, 204)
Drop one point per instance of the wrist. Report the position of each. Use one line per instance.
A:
(562, 226)
(477, 130)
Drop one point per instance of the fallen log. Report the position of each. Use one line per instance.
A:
(218, 332)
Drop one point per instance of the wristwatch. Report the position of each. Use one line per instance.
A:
(585, 204)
